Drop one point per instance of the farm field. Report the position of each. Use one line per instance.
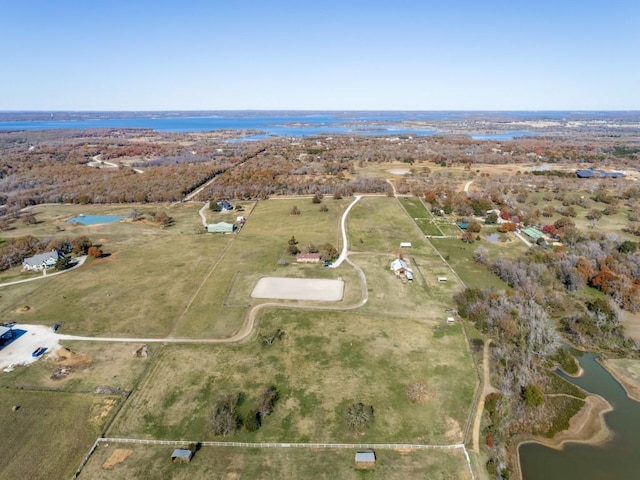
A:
(49, 433)
(423, 218)
(323, 364)
(331, 355)
(152, 462)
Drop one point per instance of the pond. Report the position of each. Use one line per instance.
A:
(95, 219)
(616, 459)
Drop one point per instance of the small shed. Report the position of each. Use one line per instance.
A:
(366, 459)
(442, 279)
(405, 244)
(181, 455)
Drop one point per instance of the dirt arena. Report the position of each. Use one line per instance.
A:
(299, 289)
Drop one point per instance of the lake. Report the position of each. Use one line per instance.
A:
(617, 459)
(266, 123)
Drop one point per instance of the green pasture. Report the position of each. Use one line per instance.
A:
(380, 224)
(46, 434)
(460, 256)
(325, 362)
(220, 304)
(149, 462)
(420, 215)
(181, 282)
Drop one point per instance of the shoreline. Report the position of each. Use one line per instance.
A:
(630, 386)
(587, 426)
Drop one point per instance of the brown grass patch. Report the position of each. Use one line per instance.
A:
(119, 455)
(68, 358)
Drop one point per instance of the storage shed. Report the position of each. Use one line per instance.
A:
(366, 459)
(181, 455)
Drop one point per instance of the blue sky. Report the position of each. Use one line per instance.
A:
(328, 55)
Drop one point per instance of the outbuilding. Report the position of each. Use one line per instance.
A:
(308, 258)
(181, 455)
(366, 459)
(221, 227)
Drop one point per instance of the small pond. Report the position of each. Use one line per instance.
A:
(95, 219)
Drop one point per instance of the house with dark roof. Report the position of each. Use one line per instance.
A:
(42, 261)
(225, 206)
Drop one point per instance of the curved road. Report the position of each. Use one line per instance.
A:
(343, 228)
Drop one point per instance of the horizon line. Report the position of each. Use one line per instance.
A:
(315, 110)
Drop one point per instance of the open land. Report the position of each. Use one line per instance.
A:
(173, 284)
(321, 349)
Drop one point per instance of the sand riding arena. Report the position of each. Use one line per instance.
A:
(281, 288)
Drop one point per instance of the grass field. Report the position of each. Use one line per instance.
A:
(182, 283)
(152, 462)
(50, 432)
(460, 256)
(423, 218)
(325, 362)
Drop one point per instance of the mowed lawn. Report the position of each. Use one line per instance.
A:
(49, 433)
(150, 462)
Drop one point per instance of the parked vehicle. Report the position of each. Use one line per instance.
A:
(38, 352)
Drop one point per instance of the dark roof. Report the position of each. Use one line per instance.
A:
(598, 174)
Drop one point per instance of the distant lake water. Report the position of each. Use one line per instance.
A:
(292, 125)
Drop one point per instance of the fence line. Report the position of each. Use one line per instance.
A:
(380, 446)
(86, 458)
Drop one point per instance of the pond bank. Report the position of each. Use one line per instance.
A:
(587, 426)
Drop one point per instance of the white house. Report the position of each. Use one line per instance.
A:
(42, 261)
(400, 267)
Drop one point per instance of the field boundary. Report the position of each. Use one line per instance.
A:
(378, 446)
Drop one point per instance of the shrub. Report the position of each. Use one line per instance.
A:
(532, 396)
